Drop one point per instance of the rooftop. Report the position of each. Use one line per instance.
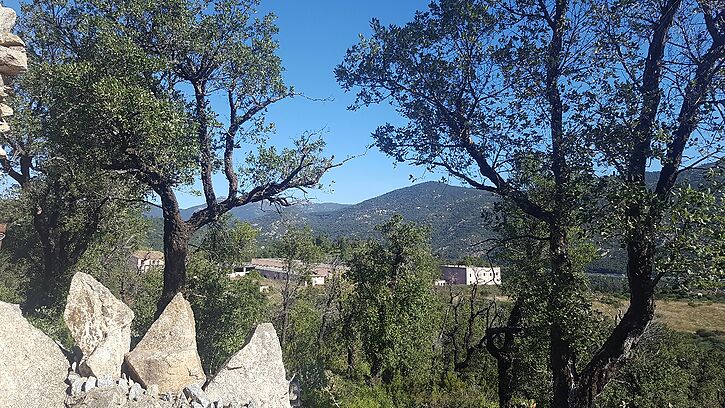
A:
(151, 255)
(279, 265)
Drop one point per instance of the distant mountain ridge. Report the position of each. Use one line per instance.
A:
(453, 214)
(252, 212)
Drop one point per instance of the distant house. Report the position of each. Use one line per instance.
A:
(471, 275)
(144, 260)
(3, 229)
(276, 269)
(240, 271)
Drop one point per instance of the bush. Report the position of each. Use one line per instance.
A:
(225, 310)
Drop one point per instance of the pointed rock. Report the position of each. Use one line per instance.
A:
(100, 325)
(32, 367)
(167, 356)
(255, 373)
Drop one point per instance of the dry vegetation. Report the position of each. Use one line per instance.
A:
(684, 316)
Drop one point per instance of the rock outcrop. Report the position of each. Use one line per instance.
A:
(254, 374)
(100, 325)
(163, 371)
(125, 393)
(13, 61)
(32, 367)
(167, 354)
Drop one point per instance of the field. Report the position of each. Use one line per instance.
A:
(684, 316)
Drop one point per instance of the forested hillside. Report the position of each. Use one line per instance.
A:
(453, 213)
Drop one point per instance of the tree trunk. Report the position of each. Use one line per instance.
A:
(176, 243)
(505, 382)
(43, 290)
(504, 354)
(561, 355)
(617, 348)
(562, 366)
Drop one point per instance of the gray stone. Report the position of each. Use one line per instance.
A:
(7, 19)
(153, 390)
(98, 398)
(76, 387)
(33, 368)
(72, 376)
(167, 355)
(255, 374)
(90, 384)
(100, 325)
(5, 110)
(105, 381)
(11, 40)
(135, 392)
(123, 383)
(13, 61)
(194, 393)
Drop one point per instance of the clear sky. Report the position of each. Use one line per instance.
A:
(313, 37)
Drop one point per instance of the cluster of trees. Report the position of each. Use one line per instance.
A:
(559, 107)
(537, 101)
(118, 105)
(379, 334)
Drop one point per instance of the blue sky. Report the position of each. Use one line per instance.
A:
(313, 37)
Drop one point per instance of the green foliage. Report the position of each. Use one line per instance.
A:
(228, 242)
(670, 369)
(297, 244)
(226, 311)
(454, 392)
(392, 301)
(143, 303)
(49, 319)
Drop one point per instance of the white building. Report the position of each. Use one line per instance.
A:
(276, 269)
(144, 260)
(470, 275)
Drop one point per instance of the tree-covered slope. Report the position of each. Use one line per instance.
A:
(452, 213)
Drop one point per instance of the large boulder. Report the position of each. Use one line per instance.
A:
(32, 367)
(167, 355)
(254, 374)
(13, 61)
(100, 325)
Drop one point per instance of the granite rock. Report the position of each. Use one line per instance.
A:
(33, 368)
(255, 374)
(167, 354)
(100, 325)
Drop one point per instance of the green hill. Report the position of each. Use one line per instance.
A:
(452, 213)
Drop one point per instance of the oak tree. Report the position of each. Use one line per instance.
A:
(170, 92)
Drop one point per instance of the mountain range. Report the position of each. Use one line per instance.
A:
(453, 214)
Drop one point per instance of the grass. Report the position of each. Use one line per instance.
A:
(683, 316)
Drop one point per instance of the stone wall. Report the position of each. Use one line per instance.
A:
(163, 370)
(13, 62)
